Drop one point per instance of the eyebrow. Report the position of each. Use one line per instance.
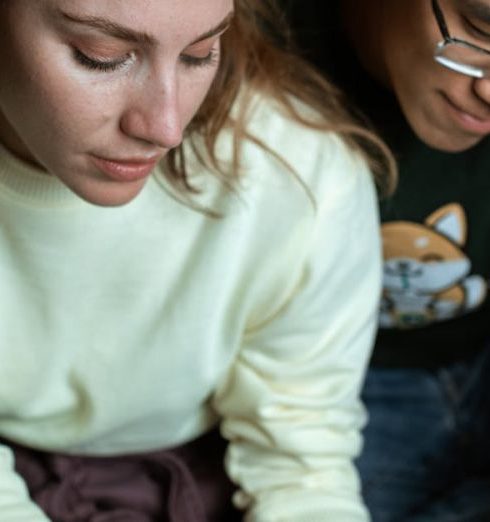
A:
(125, 33)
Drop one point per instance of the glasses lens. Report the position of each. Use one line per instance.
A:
(463, 58)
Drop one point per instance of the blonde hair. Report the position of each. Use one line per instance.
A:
(256, 56)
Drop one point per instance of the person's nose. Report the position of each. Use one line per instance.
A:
(153, 113)
(481, 88)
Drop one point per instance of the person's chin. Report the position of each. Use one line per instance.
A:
(440, 135)
(451, 142)
(104, 193)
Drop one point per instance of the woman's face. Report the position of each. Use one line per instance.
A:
(96, 92)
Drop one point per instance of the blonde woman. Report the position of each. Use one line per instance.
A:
(188, 240)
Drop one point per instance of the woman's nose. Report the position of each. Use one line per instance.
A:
(153, 115)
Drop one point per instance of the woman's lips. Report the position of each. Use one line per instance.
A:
(125, 170)
(466, 120)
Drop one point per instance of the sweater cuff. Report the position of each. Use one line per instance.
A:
(314, 506)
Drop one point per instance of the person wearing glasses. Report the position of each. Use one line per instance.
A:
(418, 71)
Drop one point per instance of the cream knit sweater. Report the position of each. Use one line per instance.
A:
(139, 327)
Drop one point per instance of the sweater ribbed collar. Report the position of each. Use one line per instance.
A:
(19, 180)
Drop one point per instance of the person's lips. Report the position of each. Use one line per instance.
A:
(468, 120)
(126, 170)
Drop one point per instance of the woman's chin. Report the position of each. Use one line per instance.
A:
(107, 193)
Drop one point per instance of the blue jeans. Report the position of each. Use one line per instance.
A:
(427, 445)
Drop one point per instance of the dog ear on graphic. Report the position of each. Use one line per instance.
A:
(450, 221)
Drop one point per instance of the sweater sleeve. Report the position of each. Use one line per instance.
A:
(290, 403)
(15, 504)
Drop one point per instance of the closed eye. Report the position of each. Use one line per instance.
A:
(95, 64)
(474, 30)
(189, 60)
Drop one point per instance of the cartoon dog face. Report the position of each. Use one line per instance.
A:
(426, 271)
(425, 261)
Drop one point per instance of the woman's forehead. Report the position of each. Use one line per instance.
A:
(152, 21)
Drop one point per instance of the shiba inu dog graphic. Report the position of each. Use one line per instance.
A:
(426, 274)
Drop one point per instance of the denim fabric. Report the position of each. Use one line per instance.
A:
(427, 445)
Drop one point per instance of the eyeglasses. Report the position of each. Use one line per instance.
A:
(459, 55)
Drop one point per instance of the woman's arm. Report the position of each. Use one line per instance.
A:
(291, 403)
(15, 504)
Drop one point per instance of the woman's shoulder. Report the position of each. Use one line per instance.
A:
(320, 158)
(283, 163)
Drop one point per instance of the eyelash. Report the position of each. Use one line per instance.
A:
(475, 30)
(99, 65)
(192, 61)
(113, 65)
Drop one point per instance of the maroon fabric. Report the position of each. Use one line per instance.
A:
(185, 484)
